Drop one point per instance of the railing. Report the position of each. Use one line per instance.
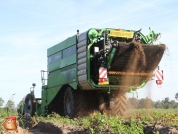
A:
(43, 73)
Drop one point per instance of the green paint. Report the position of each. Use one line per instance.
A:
(136, 87)
(60, 46)
(150, 38)
(111, 57)
(92, 34)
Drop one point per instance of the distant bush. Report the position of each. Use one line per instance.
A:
(148, 103)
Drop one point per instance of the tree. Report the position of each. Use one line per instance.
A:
(1, 102)
(132, 103)
(10, 105)
(158, 104)
(146, 103)
(176, 96)
(166, 103)
(173, 104)
(166, 100)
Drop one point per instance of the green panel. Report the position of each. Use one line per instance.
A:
(39, 109)
(47, 96)
(62, 77)
(55, 80)
(52, 92)
(55, 57)
(43, 104)
(68, 61)
(54, 66)
(74, 85)
(111, 57)
(60, 46)
(62, 63)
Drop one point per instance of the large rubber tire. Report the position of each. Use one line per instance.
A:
(117, 105)
(29, 105)
(75, 103)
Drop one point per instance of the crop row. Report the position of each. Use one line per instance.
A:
(132, 123)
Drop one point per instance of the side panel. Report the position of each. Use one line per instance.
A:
(62, 76)
(62, 63)
(62, 45)
(62, 69)
(62, 59)
(49, 94)
(47, 97)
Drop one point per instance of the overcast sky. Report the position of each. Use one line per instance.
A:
(29, 27)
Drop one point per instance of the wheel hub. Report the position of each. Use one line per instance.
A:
(29, 106)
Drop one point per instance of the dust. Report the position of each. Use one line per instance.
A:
(149, 85)
(148, 94)
(136, 55)
(157, 57)
(148, 88)
(137, 62)
(142, 60)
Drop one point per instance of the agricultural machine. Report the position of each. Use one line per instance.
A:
(93, 71)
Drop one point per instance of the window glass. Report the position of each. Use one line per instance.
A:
(54, 57)
(69, 51)
(58, 56)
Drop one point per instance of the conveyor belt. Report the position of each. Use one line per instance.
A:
(126, 57)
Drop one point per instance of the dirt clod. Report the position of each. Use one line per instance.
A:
(159, 127)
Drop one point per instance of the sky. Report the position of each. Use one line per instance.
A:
(29, 27)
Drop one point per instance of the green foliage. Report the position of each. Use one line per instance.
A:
(176, 96)
(166, 116)
(10, 106)
(132, 123)
(148, 103)
(98, 123)
(1, 102)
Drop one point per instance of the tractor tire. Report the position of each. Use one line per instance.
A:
(115, 105)
(29, 107)
(75, 103)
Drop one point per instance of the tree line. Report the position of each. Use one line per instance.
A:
(131, 103)
(10, 105)
(148, 103)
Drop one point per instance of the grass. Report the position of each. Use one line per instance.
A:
(131, 123)
(98, 123)
(165, 116)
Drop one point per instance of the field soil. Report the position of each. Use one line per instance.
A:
(48, 128)
(54, 128)
(162, 129)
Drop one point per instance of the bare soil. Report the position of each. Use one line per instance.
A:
(44, 127)
(54, 128)
(162, 129)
